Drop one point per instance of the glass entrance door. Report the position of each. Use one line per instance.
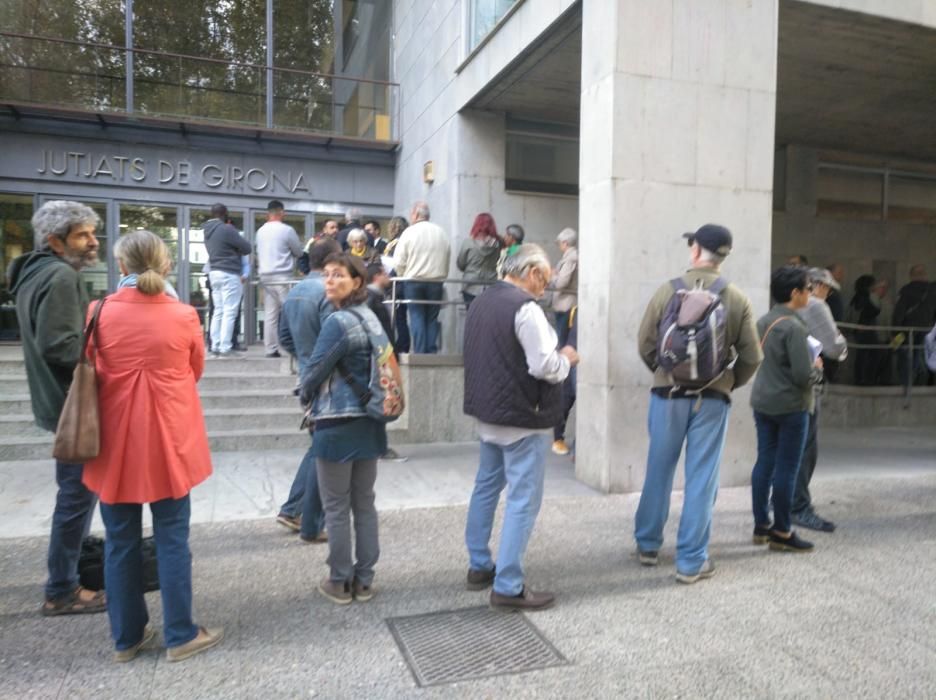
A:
(163, 220)
(199, 292)
(16, 238)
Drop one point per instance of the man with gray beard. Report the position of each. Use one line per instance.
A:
(51, 303)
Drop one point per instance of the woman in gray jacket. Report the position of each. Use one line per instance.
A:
(565, 282)
(478, 256)
(782, 399)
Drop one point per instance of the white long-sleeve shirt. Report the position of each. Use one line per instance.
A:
(544, 362)
(423, 252)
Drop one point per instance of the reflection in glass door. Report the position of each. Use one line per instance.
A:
(197, 256)
(16, 238)
(161, 220)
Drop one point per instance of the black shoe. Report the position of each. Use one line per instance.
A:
(793, 543)
(273, 354)
(762, 533)
(527, 600)
(479, 579)
(812, 521)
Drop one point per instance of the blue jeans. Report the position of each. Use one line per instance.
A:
(123, 570)
(226, 292)
(71, 520)
(521, 466)
(424, 318)
(562, 326)
(672, 422)
(305, 498)
(780, 443)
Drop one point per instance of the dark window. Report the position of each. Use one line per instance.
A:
(542, 157)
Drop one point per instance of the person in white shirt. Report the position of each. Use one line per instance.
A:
(513, 386)
(278, 246)
(422, 256)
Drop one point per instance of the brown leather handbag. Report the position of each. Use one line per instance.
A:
(78, 436)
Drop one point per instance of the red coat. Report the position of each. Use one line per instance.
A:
(153, 439)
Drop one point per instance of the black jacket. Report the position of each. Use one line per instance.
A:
(225, 246)
(498, 386)
(916, 305)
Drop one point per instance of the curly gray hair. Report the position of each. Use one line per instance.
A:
(58, 217)
(357, 234)
(528, 256)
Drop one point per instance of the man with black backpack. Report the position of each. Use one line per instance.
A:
(698, 338)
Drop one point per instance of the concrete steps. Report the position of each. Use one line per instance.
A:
(247, 401)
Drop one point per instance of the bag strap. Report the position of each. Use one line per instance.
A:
(718, 286)
(770, 328)
(364, 394)
(677, 284)
(91, 328)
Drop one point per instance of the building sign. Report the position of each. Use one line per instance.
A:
(104, 168)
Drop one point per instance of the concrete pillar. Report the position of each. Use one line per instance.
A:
(678, 108)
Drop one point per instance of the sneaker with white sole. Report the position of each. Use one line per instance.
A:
(707, 571)
(812, 521)
(648, 558)
(560, 448)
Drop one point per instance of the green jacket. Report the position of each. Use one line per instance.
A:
(739, 329)
(784, 382)
(51, 303)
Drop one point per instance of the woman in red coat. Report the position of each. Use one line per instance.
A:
(154, 448)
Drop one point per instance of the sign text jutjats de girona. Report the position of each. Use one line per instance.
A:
(102, 168)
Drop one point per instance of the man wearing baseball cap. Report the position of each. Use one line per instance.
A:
(819, 322)
(696, 416)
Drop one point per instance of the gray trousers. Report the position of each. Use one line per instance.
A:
(346, 488)
(275, 289)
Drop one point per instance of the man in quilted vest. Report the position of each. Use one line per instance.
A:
(513, 386)
(678, 415)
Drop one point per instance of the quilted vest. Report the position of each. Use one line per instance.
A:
(498, 386)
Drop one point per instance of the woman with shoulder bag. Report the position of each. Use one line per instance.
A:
(154, 448)
(347, 441)
(782, 399)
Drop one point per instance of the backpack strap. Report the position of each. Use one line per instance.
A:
(677, 283)
(718, 286)
(364, 394)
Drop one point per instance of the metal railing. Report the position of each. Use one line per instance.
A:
(904, 340)
(99, 78)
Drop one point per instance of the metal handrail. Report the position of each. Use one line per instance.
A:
(206, 59)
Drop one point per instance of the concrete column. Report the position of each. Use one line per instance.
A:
(678, 106)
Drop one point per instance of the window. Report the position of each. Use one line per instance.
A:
(483, 16)
(911, 200)
(542, 157)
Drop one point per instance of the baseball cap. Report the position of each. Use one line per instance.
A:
(819, 275)
(712, 237)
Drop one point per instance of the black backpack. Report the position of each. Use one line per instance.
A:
(91, 564)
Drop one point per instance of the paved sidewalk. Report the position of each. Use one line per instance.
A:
(856, 618)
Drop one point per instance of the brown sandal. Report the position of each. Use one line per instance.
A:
(74, 605)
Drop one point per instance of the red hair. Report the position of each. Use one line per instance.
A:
(484, 227)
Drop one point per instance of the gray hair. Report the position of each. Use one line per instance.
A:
(421, 211)
(528, 256)
(710, 257)
(357, 234)
(57, 218)
(568, 235)
(353, 214)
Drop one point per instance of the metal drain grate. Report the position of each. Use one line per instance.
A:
(468, 644)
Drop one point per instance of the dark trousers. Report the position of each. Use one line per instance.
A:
(424, 318)
(562, 327)
(71, 519)
(568, 401)
(780, 442)
(801, 496)
(123, 570)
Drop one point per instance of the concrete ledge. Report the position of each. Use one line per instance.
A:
(880, 407)
(431, 360)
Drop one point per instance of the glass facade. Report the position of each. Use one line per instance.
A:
(483, 16)
(206, 61)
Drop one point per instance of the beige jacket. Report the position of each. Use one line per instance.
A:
(565, 281)
(740, 328)
(423, 252)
